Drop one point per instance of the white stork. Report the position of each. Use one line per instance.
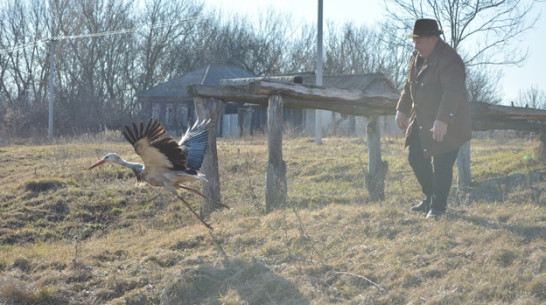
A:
(166, 163)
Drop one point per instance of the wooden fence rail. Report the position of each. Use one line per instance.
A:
(356, 102)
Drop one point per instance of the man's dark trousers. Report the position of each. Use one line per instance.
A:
(435, 174)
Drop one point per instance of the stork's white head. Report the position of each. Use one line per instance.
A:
(109, 158)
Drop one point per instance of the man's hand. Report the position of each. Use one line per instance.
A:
(401, 120)
(439, 130)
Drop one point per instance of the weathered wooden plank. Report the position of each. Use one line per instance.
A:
(358, 110)
(541, 151)
(371, 103)
(493, 112)
(489, 117)
(241, 95)
(210, 108)
(377, 168)
(275, 181)
(246, 81)
(361, 103)
(506, 123)
(381, 100)
(229, 94)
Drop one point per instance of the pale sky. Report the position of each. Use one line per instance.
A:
(514, 80)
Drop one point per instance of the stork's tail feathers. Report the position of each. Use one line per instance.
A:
(202, 177)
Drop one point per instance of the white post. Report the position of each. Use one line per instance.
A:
(51, 78)
(463, 166)
(318, 113)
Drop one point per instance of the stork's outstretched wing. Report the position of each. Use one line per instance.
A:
(155, 148)
(194, 143)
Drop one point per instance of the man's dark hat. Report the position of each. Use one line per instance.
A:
(425, 27)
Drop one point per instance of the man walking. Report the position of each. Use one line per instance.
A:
(434, 111)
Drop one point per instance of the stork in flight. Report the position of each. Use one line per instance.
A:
(166, 163)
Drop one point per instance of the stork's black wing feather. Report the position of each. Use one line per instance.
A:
(154, 147)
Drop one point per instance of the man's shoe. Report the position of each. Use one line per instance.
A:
(435, 214)
(421, 207)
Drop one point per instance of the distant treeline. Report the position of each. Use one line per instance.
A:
(107, 51)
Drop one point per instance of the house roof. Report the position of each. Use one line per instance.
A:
(209, 75)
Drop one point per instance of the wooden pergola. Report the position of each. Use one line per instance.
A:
(289, 92)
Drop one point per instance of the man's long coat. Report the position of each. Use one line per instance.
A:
(437, 91)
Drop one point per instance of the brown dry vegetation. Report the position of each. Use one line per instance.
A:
(71, 236)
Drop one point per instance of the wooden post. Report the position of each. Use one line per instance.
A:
(275, 179)
(210, 108)
(464, 177)
(541, 155)
(377, 168)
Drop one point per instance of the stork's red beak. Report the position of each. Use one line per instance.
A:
(97, 164)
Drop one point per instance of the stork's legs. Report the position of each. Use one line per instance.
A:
(194, 213)
(202, 195)
(173, 190)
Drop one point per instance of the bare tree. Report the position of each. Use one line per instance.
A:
(157, 44)
(482, 86)
(533, 97)
(300, 53)
(234, 39)
(89, 62)
(483, 32)
(352, 50)
(100, 62)
(22, 85)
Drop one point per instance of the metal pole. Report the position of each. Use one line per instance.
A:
(318, 113)
(51, 78)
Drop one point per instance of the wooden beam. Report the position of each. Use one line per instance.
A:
(275, 179)
(228, 94)
(364, 103)
(377, 168)
(246, 94)
(505, 123)
(210, 108)
(379, 101)
(358, 110)
(492, 112)
(541, 151)
(246, 81)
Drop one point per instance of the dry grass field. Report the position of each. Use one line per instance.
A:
(71, 236)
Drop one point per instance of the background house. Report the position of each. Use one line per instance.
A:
(170, 103)
(173, 107)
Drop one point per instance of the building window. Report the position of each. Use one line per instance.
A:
(155, 111)
(183, 117)
(169, 114)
